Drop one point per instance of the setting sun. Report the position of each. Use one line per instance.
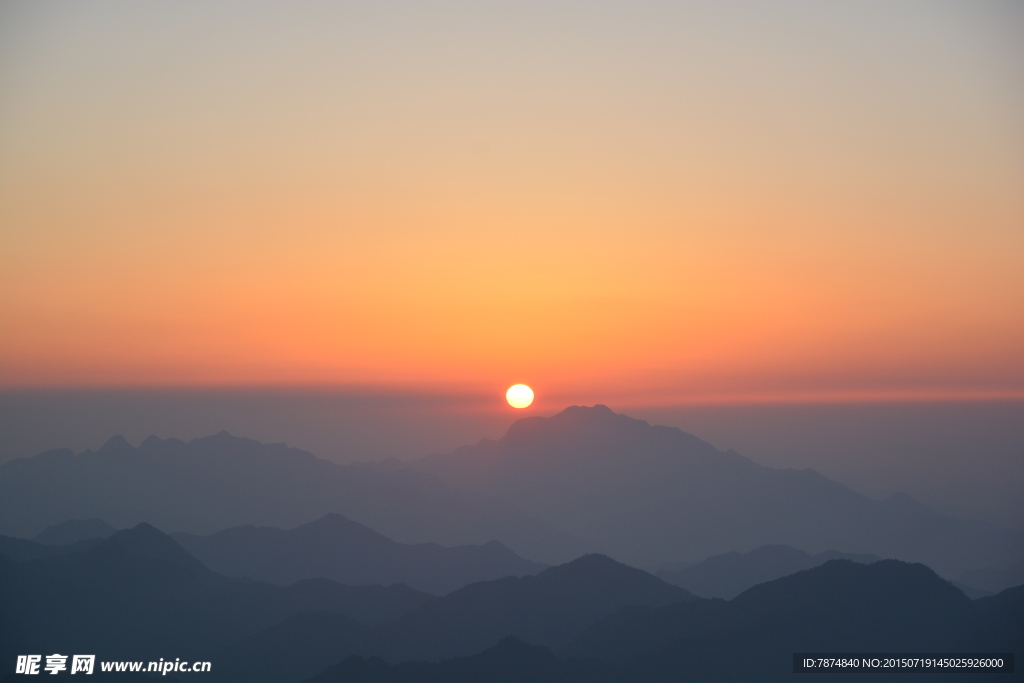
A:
(519, 396)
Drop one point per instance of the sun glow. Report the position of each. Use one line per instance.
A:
(519, 396)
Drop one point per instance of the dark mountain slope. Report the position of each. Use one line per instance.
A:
(19, 549)
(994, 580)
(841, 606)
(140, 595)
(73, 531)
(291, 650)
(222, 481)
(649, 495)
(726, 576)
(838, 607)
(548, 609)
(337, 548)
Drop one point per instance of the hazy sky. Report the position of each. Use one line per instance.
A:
(690, 201)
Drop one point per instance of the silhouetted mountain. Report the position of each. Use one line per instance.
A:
(73, 531)
(1004, 618)
(222, 481)
(510, 661)
(547, 609)
(292, 650)
(726, 576)
(972, 593)
(23, 549)
(138, 594)
(649, 495)
(337, 548)
(994, 580)
(841, 606)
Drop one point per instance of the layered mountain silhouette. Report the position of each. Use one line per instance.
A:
(24, 549)
(993, 580)
(218, 482)
(726, 576)
(73, 531)
(840, 606)
(298, 647)
(584, 480)
(337, 548)
(547, 609)
(651, 495)
(60, 539)
(138, 594)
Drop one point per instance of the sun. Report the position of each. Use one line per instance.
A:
(519, 396)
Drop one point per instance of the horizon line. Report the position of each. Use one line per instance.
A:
(474, 393)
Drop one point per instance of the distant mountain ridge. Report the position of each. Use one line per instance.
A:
(888, 606)
(218, 482)
(339, 549)
(726, 576)
(546, 609)
(73, 531)
(649, 495)
(139, 594)
(23, 549)
(995, 580)
(840, 606)
(551, 489)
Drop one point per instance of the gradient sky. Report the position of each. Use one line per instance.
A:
(715, 201)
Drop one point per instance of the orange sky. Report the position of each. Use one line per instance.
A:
(636, 198)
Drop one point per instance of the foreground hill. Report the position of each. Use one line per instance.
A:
(222, 481)
(651, 495)
(840, 606)
(726, 576)
(339, 549)
(293, 649)
(139, 595)
(548, 609)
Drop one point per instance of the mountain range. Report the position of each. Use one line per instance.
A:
(547, 609)
(550, 489)
(649, 495)
(726, 576)
(339, 549)
(139, 595)
(839, 606)
(73, 531)
(218, 482)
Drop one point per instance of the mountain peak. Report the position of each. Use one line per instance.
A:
(334, 525)
(147, 542)
(116, 444)
(574, 421)
(600, 573)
